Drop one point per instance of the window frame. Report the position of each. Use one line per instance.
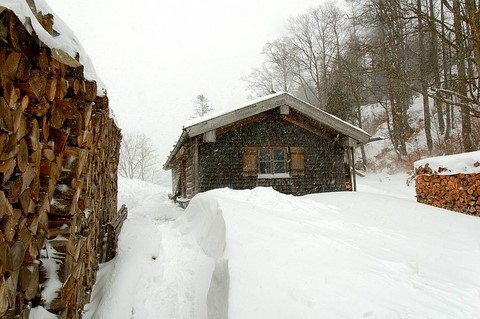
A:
(294, 162)
(271, 161)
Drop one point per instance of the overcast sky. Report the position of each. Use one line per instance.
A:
(156, 56)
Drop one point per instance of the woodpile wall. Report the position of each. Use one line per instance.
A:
(58, 175)
(458, 192)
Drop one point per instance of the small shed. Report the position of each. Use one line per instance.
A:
(277, 140)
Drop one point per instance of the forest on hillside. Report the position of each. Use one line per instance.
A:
(342, 58)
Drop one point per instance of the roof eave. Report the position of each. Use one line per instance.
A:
(329, 120)
(236, 115)
(181, 140)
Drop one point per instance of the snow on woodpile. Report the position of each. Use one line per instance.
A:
(62, 39)
(464, 163)
(451, 182)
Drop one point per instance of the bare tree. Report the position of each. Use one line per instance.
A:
(390, 59)
(137, 156)
(261, 81)
(461, 50)
(202, 107)
(423, 76)
(309, 35)
(387, 51)
(457, 29)
(277, 71)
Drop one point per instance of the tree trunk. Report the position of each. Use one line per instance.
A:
(435, 68)
(446, 73)
(423, 75)
(462, 76)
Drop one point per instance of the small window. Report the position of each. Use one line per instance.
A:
(272, 161)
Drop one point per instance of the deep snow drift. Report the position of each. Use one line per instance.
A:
(338, 255)
(261, 254)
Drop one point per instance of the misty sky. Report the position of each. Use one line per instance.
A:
(156, 56)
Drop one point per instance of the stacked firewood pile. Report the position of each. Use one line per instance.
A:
(58, 165)
(458, 192)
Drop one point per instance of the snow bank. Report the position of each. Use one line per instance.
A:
(345, 255)
(465, 163)
(261, 254)
(204, 221)
(65, 40)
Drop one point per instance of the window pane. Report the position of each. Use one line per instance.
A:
(279, 155)
(264, 168)
(279, 167)
(264, 155)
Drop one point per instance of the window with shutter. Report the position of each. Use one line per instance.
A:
(250, 161)
(272, 162)
(297, 163)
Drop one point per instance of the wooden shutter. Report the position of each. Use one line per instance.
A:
(297, 163)
(250, 161)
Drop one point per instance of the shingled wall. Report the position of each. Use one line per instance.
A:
(221, 162)
(59, 153)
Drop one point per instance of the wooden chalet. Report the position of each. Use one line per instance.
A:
(277, 140)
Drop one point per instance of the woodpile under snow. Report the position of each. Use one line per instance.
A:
(451, 182)
(59, 152)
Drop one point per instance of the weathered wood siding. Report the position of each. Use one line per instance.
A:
(190, 174)
(221, 164)
(190, 178)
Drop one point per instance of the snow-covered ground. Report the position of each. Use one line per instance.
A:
(261, 254)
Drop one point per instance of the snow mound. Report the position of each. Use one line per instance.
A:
(262, 254)
(339, 255)
(204, 221)
(465, 163)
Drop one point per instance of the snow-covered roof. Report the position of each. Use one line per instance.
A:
(195, 127)
(198, 120)
(465, 163)
(215, 120)
(64, 41)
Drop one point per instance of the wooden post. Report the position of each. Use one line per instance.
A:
(354, 176)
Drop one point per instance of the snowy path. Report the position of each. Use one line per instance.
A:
(131, 283)
(361, 256)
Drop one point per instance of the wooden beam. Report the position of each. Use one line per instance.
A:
(235, 116)
(327, 119)
(236, 125)
(305, 126)
(210, 137)
(196, 168)
(284, 109)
